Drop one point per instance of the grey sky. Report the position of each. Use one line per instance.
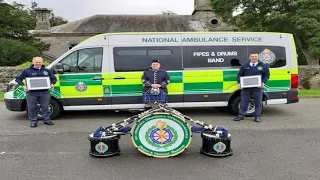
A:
(77, 9)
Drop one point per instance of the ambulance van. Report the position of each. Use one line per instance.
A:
(104, 72)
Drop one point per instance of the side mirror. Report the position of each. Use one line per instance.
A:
(58, 68)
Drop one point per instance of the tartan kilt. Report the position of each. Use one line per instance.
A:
(149, 98)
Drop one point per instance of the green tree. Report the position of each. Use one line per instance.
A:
(15, 52)
(54, 20)
(57, 20)
(15, 23)
(168, 12)
(299, 17)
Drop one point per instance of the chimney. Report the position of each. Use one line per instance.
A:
(203, 12)
(43, 23)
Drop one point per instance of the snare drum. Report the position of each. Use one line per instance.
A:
(104, 146)
(161, 135)
(215, 146)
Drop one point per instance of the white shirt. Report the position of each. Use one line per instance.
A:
(255, 64)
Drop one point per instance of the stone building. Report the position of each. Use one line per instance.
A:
(64, 37)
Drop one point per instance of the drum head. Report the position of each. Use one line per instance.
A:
(161, 135)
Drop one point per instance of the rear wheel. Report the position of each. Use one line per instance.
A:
(54, 109)
(236, 104)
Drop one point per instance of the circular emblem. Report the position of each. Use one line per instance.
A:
(101, 147)
(81, 87)
(45, 73)
(267, 56)
(161, 135)
(260, 68)
(219, 147)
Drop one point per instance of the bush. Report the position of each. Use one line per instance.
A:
(14, 52)
(28, 64)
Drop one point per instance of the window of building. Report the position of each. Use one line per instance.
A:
(71, 46)
(140, 58)
(83, 61)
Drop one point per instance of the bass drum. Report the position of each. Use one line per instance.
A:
(161, 135)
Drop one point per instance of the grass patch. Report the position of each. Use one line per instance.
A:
(1, 95)
(309, 93)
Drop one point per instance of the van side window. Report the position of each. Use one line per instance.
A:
(140, 58)
(275, 56)
(231, 56)
(83, 61)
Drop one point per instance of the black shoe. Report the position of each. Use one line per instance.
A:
(49, 123)
(33, 125)
(239, 118)
(257, 119)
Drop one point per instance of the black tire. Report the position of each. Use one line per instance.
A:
(53, 106)
(235, 104)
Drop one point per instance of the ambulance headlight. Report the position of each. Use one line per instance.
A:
(12, 86)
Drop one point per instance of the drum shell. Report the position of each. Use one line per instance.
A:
(209, 141)
(154, 153)
(111, 142)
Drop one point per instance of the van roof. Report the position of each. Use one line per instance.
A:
(211, 32)
(157, 33)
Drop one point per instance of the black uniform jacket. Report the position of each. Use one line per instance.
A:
(34, 72)
(150, 77)
(260, 69)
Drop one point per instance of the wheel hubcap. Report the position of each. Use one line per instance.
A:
(251, 107)
(50, 110)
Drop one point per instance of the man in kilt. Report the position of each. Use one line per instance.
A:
(155, 82)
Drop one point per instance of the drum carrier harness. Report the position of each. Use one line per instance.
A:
(212, 136)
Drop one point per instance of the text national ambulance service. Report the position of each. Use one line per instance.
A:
(203, 39)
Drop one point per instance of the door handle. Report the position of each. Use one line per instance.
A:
(119, 77)
(98, 78)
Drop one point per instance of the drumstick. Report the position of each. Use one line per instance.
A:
(201, 123)
(117, 126)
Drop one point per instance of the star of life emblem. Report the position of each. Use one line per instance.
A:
(267, 56)
(81, 87)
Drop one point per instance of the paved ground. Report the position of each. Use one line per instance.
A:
(284, 146)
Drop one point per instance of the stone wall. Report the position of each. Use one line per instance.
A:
(60, 44)
(7, 74)
(309, 76)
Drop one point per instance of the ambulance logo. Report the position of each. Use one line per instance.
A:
(219, 147)
(81, 87)
(101, 147)
(267, 56)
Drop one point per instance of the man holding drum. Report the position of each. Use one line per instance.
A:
(155, 81)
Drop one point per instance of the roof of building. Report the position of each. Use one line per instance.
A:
(130, 23)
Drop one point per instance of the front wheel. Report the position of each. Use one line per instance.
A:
(236, 104)
(54, 110)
